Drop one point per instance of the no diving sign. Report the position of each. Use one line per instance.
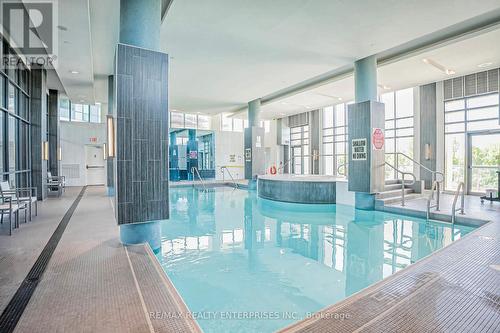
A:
(358, 149)
(378, 139)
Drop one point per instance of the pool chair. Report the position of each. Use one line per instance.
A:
(56, 183)
(28, 195)
(11, 205)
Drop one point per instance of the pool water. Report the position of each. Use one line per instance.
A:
(244, 264)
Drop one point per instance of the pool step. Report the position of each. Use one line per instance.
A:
(391, 200)
(390, 187)
(393, 193)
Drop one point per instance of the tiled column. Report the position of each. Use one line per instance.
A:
(110, 180)
(141, 124)
(54, 130)
(428, 130)
(254, 145)
(366, 174)
(38, 111)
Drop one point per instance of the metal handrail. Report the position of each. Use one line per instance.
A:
(281, 167)
(195, 169)
(462, 202)
(345, 169)
(403, 182)
(222, 168)
(435, 187)
(433, 172)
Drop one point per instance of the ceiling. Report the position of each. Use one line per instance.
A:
(463, 57)
(224, 53)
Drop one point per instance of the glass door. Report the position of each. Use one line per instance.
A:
(483, 161)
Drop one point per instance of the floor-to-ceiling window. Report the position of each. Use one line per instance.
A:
(472, 142)
(399, 114)
(14, 121)
(335, 140)
(299, 145)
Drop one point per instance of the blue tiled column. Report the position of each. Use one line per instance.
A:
(140, 22)
(363, 117)
(254, 145)
(141, 121)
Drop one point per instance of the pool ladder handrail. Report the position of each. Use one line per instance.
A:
(194, 170)
(461, 186)
(432, 172)
(222, 168)
(435, 188)
(403, 181)
(344, 165)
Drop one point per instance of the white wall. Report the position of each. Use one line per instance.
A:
(74, 137)
(232, 143)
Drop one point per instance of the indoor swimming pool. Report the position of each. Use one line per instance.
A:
(244, 264)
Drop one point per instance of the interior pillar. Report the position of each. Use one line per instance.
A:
(255, 158)
(110, 171)
(366, 160)
(54, 132)
(141, 124)
(38, 118)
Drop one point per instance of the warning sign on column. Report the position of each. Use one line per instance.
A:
(358, 149)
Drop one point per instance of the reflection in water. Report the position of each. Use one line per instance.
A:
(227, 250)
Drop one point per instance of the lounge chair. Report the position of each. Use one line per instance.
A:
(12, 206)
(29, 195)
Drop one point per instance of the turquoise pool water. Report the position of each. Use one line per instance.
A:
(244, 264)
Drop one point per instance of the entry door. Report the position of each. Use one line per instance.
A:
(96, 174)
(483, 161)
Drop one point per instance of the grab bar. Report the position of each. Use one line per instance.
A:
(462, 202)
(222, 168)
(195, 170)
(435, 187)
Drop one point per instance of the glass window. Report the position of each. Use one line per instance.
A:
(203, 122)
(454, 105)
(451, 117)
(95, 113)
(176, 120)
(12, 136)
(340, 115)
(328, 117)
(388, 100)
(226, 123)
(2, 91)
(488, 100)
(482, 113)
(11, 106)
(404, 102)
(190, 121)
(64, 109)
(2, 146)
(238, 125)
(454, 160)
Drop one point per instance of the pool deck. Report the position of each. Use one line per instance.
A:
(94, 284)
(475, 212)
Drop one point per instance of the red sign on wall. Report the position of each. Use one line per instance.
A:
(378, 139)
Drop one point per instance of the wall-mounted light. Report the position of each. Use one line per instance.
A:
(428, 152)
(59, 154)
(105, 151)
(45, 150)
(111, 135)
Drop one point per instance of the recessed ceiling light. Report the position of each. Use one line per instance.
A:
(75, 72)
(450, 72)
(284, 103)
(485, 64)
(282, 114)
(81, 101)
(97, 103)
(383, 86)
(308, 107)
(340, 98)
